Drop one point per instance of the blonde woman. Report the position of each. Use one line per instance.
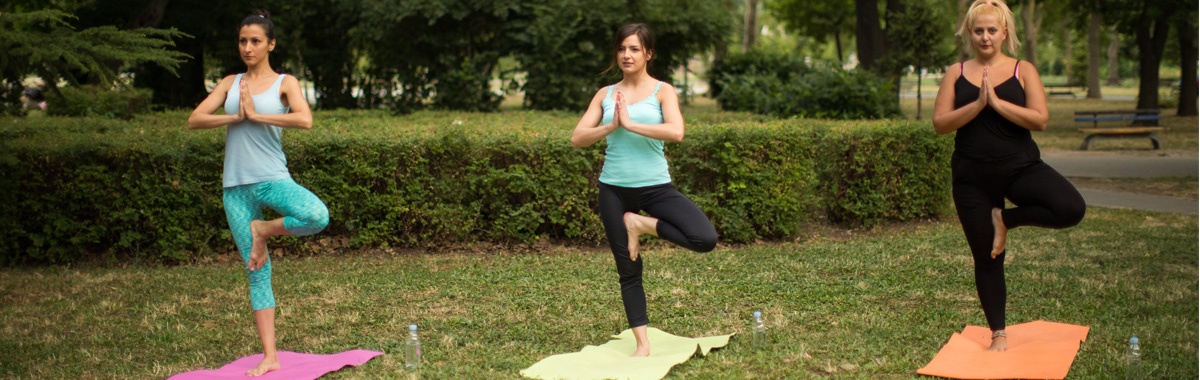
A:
(992, 103)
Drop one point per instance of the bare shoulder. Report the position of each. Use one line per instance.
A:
(1027, 68)
(667, 91)
(601, 93)
(290, 80)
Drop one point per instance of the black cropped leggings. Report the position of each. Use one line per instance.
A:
(1043, 198)
(679, 221)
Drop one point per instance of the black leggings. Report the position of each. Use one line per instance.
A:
(1043, 198)
(679, 221)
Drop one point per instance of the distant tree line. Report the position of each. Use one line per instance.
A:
(408, 54)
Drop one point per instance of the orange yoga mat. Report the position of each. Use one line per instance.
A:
(1036, 350)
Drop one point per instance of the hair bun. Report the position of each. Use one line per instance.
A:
(261, 13)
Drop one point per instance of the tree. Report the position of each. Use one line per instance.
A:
(1093, 41)
(751, 34)
(1187, 57)
(1032, 13)
(44, 44)
(926, 45)
(817, 19)
(1114, 51)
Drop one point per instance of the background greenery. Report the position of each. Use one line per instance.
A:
(149, 189)
(852, 304)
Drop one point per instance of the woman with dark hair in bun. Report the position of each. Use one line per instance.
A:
(259, 104)
(634, 116)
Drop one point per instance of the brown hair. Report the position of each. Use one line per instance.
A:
(261, 18)
(643, 33)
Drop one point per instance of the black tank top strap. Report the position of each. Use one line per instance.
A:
(1017, 70)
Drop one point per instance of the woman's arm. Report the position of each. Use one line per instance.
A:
(946, 118)
(589, 130)
(300, 116)
(203, 118)
(1034, 115)
(671, 128)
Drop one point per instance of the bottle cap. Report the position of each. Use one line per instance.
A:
(412, 327)
(1133, 340)
(757, 314)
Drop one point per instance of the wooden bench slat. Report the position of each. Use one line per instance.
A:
(1120, 118)
(1122, 130)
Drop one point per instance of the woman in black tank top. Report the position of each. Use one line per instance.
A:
(995, 157)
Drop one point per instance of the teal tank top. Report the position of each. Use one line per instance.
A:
(253, 153)
(633, 160)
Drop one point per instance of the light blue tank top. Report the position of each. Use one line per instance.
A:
(253, 153)
(633, 160)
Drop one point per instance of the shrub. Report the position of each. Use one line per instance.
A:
(89, 100)
(825, 93)
(768, 66)
(149, 189)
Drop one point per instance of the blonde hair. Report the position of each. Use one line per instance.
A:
(989, 7)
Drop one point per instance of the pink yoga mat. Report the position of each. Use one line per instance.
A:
(293, 366)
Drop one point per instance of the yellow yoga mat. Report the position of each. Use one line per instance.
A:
(611, 360)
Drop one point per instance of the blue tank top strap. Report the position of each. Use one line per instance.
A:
(278, 81)
(608, 95)
(656, 87)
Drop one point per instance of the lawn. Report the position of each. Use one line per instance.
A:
(839, 303)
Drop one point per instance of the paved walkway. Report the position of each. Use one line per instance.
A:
(1129, 167)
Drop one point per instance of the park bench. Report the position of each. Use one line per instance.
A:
(1137, 128)
(1061, 89)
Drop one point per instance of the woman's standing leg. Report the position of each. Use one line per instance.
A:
(612, 210)
(974, 203)
(241, 208)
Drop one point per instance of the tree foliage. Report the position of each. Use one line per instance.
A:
(44, 44)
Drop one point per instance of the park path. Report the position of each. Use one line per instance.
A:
(1119, 166)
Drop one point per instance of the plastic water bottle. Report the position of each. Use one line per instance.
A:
(412, 349)
(760, 330)
(1134, 369)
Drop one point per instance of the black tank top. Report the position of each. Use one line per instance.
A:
(989, 136)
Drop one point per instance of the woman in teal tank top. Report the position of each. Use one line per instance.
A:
(635, 116)
(259, 104)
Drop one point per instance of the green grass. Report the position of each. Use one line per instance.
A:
(847, 304)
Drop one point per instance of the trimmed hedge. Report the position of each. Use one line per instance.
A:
(149, 189)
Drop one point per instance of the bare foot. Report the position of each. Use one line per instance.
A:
(258, 249)
(1001, 232)
(633, 230)
(999, 343)
(268, 364)
(641, 352)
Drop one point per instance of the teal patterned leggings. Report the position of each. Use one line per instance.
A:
(304, 214)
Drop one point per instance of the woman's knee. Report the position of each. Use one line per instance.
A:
(311, 222)
(1072, 213)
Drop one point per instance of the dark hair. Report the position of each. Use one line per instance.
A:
(261, 18)
(643, 33)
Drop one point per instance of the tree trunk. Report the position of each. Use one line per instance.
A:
(1068, 53)
(1031, 13)
(837, 40)
(1093, 71)
(1114, 49)
(963, 55)
(918, 93)
(1151, 34)
(1188, 55)
(868, 33)
(751, 35)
